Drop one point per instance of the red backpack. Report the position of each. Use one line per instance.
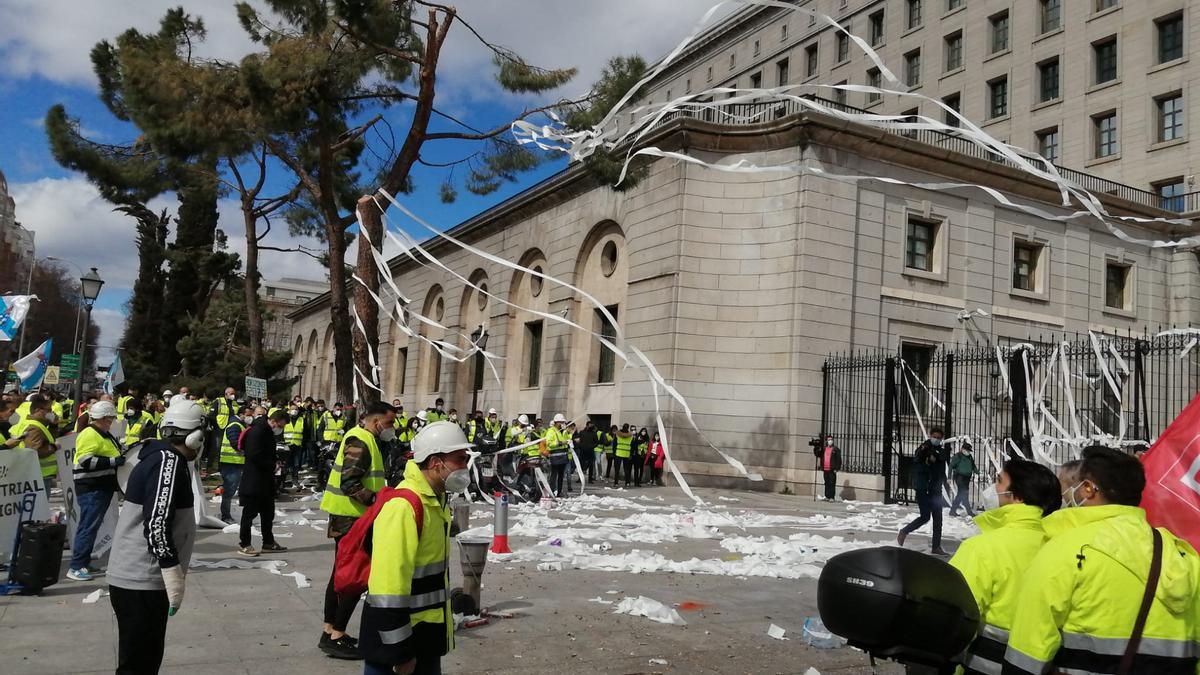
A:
(352, 566)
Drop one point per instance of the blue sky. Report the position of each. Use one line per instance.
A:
(44, 45)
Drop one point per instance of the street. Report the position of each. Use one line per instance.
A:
(743, 561)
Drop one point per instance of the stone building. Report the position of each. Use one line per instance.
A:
(738, 285)
(16, 242)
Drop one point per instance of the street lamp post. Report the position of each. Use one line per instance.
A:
(89, 285)
(479, 338)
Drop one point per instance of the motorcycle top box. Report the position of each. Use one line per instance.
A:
(898, 604)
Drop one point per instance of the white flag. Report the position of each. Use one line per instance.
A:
(31, 368)
(116, 375)
(13, 309)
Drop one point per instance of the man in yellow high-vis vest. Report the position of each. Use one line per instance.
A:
(623, 452)
(34, 432)
(406, 623)
(356, 477)
(97, 456)
(232, 459)
(139, 424)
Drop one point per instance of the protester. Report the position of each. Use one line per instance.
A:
(993, 562)
(929, 476)
(655, 459)
(139, 424)
(638, 455)
(962, 469)
(256, 491)
(152, 545)
(1088, 586)
(584, 443)
(357, 476)
(623, 452)
(293, 438)
(406, 620)
(232, 459)
(8, 417)
(829, 461)
(33, 432)
(97, 456)
(608, 441)
(557, 439)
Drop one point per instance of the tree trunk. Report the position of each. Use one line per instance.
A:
(367, 345)
(253, 313)
(339, 319)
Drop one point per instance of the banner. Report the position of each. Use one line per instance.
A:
(31, 368)
(66, 464)
(13, 309)
(20, 481)
(1172, 495)
(256, 387)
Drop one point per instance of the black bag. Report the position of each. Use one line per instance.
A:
(39, 555)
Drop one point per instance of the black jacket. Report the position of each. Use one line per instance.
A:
(835, 458)
(258, 474)
(929, 468)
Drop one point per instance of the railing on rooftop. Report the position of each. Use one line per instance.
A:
(757, 112)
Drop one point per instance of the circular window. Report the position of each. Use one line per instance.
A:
(608, 259)
(439, 308)
(482, 297)
(535, 282)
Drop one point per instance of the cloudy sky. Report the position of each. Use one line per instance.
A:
(44, 46)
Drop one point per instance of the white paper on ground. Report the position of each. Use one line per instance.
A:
(651, 609)
(659, 662)
(94, 596)
(601, 601)
(812, 671)
(230, 563)
(776, 632)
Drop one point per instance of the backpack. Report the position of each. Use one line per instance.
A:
(352, 566)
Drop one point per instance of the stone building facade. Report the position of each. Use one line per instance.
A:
(16, 242)
(738, 285)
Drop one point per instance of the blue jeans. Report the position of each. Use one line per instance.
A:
(231, 478)
(428, 666)
(930, 505)
(92, 507)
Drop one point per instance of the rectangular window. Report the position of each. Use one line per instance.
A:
(709, 78)
(1170, 117)
(1105, 55)
(874, 79)
(918, 247)
(687, 86)
(755, 81)
(1106, 134)
(999, 28)
(839, 95)
(270, 292)
(1051, 15)
(912, 115)
(877, 31)
(1048, 80)
(757, 48)
(606, 365)
(1047, 142)
(1116, 281)
(781, 73)
(435, 363)
(914, 14)
(1026, 256)
(998, 98)
(783, 32)
(401, 369)
(732, 61)
(912, 68)
(811, 60)
(843, 47)
(952, 5)
(1170, 38)
(1170, 193)
(953, 46)
(1102, 5)
(953, 102)
(533, 353)
(918, 359)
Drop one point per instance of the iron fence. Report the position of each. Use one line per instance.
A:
(1040, 399)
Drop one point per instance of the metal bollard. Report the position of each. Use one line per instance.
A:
(500, 524)
(473, 556)
(461, 520)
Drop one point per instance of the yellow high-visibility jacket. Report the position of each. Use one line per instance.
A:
(993, 563)
(406, 613)
(1080, 597)
(335, 428)
(335, 501)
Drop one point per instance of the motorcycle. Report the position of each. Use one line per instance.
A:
(325, 460)
(483, 477)
(526, 486)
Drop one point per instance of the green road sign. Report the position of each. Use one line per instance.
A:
(69, 366)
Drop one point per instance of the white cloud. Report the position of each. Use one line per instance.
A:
(54, 38)
(112, 327)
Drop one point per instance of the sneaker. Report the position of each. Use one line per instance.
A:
(901, 537)
(273, 548)
(228, 520)
(939, 551)
(81, 574)
(344, 647)
(248, 551)
(326, 639)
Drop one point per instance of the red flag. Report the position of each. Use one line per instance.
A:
(1172, 495)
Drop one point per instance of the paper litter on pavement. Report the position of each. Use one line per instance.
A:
(651, 609)
(93, 597)
(776, 632)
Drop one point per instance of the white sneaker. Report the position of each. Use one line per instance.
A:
(81, 574)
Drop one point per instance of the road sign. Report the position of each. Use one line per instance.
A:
(256, 387)
(69, 369)
(51, 375)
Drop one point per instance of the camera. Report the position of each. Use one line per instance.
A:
(816, 442)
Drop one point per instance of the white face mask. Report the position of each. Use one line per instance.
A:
(278, 431)
(458, 481)
(991, 498)
(388, 434)
(1069, 499)
(14, 419)
(51, 418)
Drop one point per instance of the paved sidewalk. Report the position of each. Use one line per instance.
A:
(252, 621)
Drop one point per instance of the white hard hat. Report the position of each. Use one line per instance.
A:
(522, 419)
(183, 414)
(101, 410)
(492, 411)
(423, 416)
(167, 393)
(559, 418)
(176, 398)
(437, 439)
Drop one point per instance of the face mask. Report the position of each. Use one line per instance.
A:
(248, 419)
(195, 440)
(388, 434)
(51, 417)
(936, 442)
(294, 413)
(1069, 500)
(129, 414)
(991, 499)
(278, 431)
(337, 413)
(828, 441)
(458, 481)
(14, 419)
(230, 396)
(439, 408)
